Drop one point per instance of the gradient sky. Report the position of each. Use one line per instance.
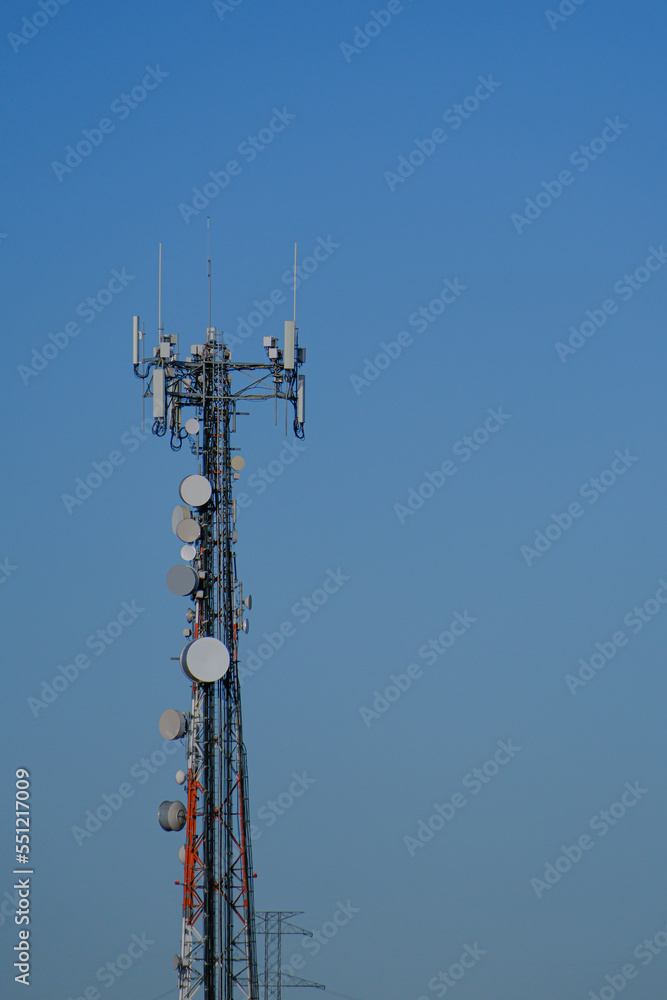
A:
(538, 212)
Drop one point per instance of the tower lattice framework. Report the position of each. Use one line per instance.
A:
(273, 925)
(218, 951)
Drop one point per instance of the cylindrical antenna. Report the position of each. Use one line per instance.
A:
(159, 294)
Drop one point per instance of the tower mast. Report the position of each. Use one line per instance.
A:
(218, 937)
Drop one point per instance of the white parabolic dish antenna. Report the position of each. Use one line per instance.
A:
(188, 530)
(205, 660)
(172, 724)
(179, 514)
(195, 491)
(182, 580)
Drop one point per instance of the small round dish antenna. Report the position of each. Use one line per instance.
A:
(171, 815)
(172, 724)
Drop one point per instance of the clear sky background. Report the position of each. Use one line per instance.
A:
(530, 250)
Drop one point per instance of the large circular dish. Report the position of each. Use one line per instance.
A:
(195, 491)
(205, 660)
(182, 580)
(188, 530)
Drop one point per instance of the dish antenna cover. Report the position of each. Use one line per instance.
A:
(180, 513)
(171, 815)
(205, 660)
(182, 580)
(195, 491)
(188, 530)
(172, 724)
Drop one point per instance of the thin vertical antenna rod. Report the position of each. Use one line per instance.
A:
(208, 255)
(295, 284)
(159, 295)
(294, 323)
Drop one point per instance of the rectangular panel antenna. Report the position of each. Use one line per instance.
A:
(301, 400)
(289, 354)
(136, 336)
(158, 393)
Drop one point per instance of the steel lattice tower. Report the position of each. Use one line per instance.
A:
(273, 924)
(218, 940)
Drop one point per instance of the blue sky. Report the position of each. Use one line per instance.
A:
(514, 151)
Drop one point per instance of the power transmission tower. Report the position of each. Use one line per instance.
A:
(273, 924)
(218, 940)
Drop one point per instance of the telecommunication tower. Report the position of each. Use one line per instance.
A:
(218, 950)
